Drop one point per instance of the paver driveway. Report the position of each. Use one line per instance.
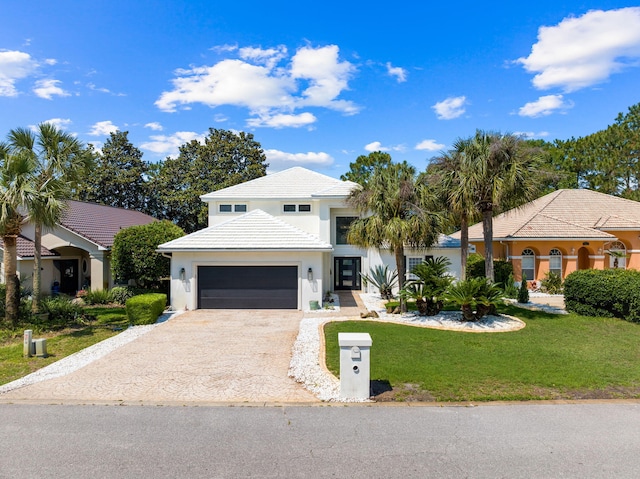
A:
(203, 356)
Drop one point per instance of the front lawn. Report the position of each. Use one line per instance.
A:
(554, 357)
(61, 341)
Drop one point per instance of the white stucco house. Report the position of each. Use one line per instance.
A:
(277, 242)
(76, 253)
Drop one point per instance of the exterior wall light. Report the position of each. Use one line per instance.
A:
(310, 274)
(183, 274)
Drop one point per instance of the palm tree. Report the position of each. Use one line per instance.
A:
(499, 172)
(399, 214)
(60, 162)
(445, 175)
(16, 193)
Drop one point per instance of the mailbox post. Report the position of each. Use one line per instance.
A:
(355, 349)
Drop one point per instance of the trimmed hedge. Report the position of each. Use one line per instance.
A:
(145, 308)
(610, 293)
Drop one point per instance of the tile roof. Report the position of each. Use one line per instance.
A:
(576, 214)
(98, 223)
(296, 182)
(26, 248)
(253, 231)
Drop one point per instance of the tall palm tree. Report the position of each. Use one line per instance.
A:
(16, 193)
(445, 175)
(60, 162)
(500, 171)
(396, 213)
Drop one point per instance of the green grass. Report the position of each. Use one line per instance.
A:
(60, 342)
(554, 357)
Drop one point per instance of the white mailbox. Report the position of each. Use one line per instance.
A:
(355, 349)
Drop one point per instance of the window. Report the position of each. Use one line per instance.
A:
(617, 255)
(412, 262)
(342, 228)
(555, 262)
(304, 208)
(289, 208)
(298, 208)
(230, 208)
(529, 264)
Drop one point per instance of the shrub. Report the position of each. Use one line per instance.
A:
(510, 288)
(609, 293)
(61, 309)
(433, 279)
(98, 296)
(145, 308)
(523, 292)
(552, 283)
(120, 294)
(501, 268)
(383, 279)
(476, 297)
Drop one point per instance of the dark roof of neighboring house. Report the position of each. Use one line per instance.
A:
(98, 223)
(26, 248)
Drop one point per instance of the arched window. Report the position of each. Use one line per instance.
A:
(529, 264)
(555, 261)
(617, 255)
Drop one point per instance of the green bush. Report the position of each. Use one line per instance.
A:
(501, 269)
(145, 308)
(476, 297)
(523, 292)
(609, 293)
(552, 283)
(120, 294)
(97, 296)
(61, 309)
(510, 288)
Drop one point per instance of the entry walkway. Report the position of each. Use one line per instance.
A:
(230, 356)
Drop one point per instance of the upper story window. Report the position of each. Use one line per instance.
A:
(239, 208)
(343, 223)
(555, 261)
(292, 208)
(529, 264)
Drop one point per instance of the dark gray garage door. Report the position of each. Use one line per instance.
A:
(248, 287)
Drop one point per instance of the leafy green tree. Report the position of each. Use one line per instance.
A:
(134, 257)
(224, 159)
(362, 169)
(61, 161)
(17, 193)
(120, 176)
(397, 213)
(499, 172)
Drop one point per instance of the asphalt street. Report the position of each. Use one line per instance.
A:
(585, 440)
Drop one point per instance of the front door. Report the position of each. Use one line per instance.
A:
(68, 274)
(347, 273)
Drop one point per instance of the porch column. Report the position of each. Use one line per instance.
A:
(98, 274)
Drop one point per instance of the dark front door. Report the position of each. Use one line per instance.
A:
(68, 274)
(248, 287)
(347, 273)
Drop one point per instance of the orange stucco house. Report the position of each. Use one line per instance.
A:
(565, 231)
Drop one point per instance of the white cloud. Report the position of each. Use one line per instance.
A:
(14, 66)
(103, 128)
(586, 50)
(282, 120)
(430, 145)
(154, 125)
(279, 160)
(398, 72)
(452, 107)
(262, 81)
(48, 88)
(169, 145)
(544, 106)
(531, 134)
(377, 146)
(62, 123)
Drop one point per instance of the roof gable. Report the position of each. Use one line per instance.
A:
(252, 231)
(296, 182)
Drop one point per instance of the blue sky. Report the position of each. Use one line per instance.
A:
(321, 84)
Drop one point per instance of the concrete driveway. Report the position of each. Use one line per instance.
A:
(200, 356)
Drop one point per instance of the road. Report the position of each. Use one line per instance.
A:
(587, 440)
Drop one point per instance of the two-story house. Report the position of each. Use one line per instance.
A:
(277, 242)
